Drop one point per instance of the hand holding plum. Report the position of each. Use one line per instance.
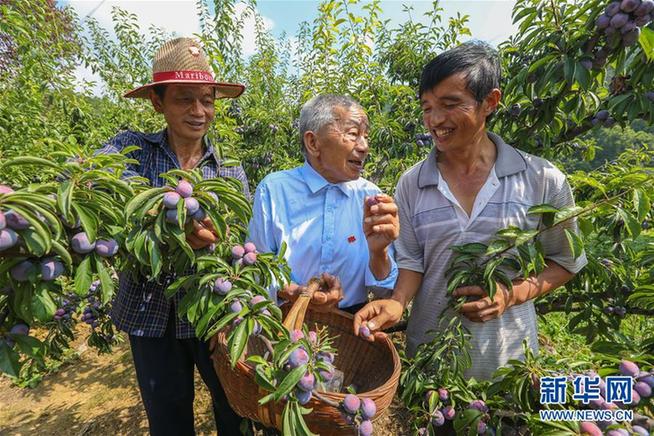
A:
(380, 222)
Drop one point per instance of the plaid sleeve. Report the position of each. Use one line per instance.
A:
(118, 143)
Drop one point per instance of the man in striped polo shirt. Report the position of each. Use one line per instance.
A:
(471, 185)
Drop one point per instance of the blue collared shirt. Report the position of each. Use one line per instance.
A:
(140, 307)
(322, 225)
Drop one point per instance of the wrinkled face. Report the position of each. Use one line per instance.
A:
(453, 116)
(339, 150)
(188, 109)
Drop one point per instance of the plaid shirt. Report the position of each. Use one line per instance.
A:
(140, 307)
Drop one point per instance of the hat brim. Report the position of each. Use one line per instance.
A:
(223, 90)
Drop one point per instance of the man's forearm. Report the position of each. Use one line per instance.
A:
(552, 277)
(406, 287)
(380, 265)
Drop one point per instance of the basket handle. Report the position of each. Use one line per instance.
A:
(295, 317)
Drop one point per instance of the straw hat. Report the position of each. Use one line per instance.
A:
(182, 60)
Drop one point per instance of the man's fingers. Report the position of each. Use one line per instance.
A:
(208, 224)
(205, 235)
(384, 209)
(379, 322)
(389, 230)
(468, 291)
(366, 312)
(476, 306)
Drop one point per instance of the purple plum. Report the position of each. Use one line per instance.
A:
(371, 201)
(106, 247)
(612, 9)
(631, 37)
(619, 20)
(364, 331)
(257, 299)
(449, 413)
(8, 238)
(303, 397)
(184, 188)
(16, 221)
(250, 258)
(629, 5)
(249, 247)
(649, 379)
(171, 216)
(437, 418)
(3, 220)
(192, 205)
(199, 215)
(80, 243)
(646, 6)
(22, 271)
(365, 428)
(628, 27)
(51, 269)
(368, 408)
(236, 307)
(602, 115)
(326, 375)
(443, 394)
(326, 356)
(351, 404)
(481, 427)
(628, 368)
(635, 397)
(603, 22)
(298, 358)
(256, 328)
(296, 335)
(313, 337)
(4, 189)
(639, 430)
(307, 382)
(170, 200)
(222, 286)
(238, 251)
(643, 20)
(643, 389)
(479, 405)
(20, 330)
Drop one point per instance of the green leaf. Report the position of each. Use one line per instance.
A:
(632, 225)
(575, 242)
(106, 283)
(43, 307)
(9, 363)
(642, 204)
(88, 220)
(289, 382)
(65, 198)
(29, 345)
(138, 201)
(646, 41)
(238, 339)
(83, 276)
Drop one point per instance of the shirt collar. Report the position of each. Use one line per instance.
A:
(161, 139)
(316, 182)
(509, 161)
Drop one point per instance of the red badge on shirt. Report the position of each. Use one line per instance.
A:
(351, 239)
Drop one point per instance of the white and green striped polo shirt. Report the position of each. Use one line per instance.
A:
(431, 221)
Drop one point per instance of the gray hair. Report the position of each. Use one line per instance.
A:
(319, 112)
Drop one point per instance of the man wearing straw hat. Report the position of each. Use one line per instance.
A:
(164, 347)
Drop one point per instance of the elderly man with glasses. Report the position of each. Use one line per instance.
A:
(335, 223)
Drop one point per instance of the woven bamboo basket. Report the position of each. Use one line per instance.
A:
(373, 367)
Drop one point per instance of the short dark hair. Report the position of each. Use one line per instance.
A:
(160, 90)
(478, 60)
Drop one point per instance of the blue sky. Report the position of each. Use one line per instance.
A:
(490, 20)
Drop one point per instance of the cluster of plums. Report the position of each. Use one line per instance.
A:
(183, 192)
(359, 411)
(620, 24)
